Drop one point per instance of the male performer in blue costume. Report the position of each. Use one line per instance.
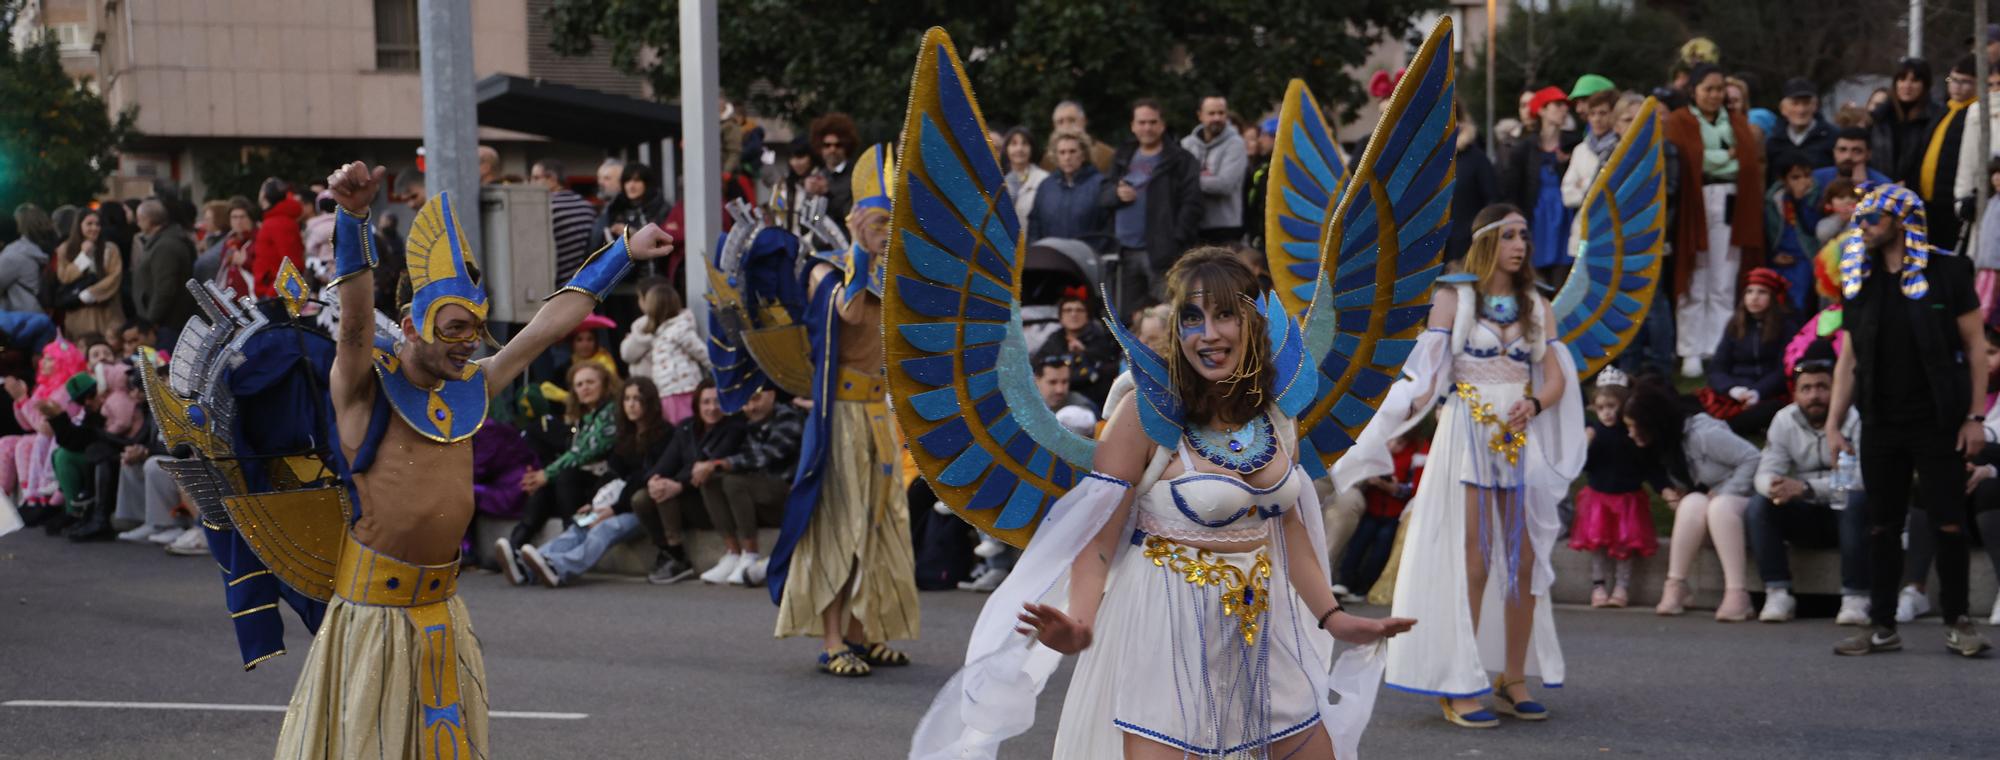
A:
(395, 670)
(843, 569)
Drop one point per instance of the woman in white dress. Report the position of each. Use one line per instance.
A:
(1479, 531)
(1199, 600)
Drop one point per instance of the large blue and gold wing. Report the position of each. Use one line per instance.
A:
(959, 378)
(1304, 181)
(1611, 286)
(1381, 249)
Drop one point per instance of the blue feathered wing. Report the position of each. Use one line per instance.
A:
(1611, 286)
(1381, 250)
(1304, 181)
(959, 379)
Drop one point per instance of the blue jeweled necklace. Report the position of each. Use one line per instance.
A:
(1244, 450)
(1500, 309)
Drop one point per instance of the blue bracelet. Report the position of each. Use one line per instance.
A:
(601, 272)
(353, 245)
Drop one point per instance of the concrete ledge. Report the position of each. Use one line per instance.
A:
(1814, 571)
(634, 557)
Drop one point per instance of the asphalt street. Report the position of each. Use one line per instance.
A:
(692, 672)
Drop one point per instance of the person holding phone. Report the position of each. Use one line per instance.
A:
(90, 270)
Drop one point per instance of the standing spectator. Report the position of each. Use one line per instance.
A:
(1913, 327)
(1787, 220)
(1477, 186)
(1900, 129)
(747, 488)
(570, 217)
(1533, 180)
(1804, 132)
(1066, 202)
(88, 270)
(1798, 502)
(678, 356)
(571, 479)
(1219, 148)
(1746, 378)
(1069, 117)
(638, 204)
(608, 175)
(1082, 344)
(319, 238)
(1154, 192)
(636, 347)
(784, 196)
(278, 236)
(489, 166)
(607, 520)
(233, 269)
(1721, 225)
(1973, 160)
(1600, 116)
(208, 258)
(165, 263)
(1024, 176)
(1936, 172)
(1259, 142)
(1511, 130)
(834, 136)
(24, 260)
(1851, 160)
(1614, 519)
(1705, 473)
(707, 436)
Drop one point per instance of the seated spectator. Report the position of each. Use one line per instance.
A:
(1704, 472)
(584, 347)
(1386, 495)
(669, 487)
(501, 457)
(86, 459)
(748, 487)
(1746, 377)
(137, 334)
(27, 461)
(607, 519)
(146, 493)
(1088, 348)
(1798, 502)
(1983, 502)
(678, 357)
(574, 477)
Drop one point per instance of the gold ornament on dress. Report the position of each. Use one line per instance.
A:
(1506, 441)
(1245, 596)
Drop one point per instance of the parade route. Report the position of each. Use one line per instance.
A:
(109, 648)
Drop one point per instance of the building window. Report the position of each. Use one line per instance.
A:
(396, 47)
(71, 38)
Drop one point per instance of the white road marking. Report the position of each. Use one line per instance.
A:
(240, 708)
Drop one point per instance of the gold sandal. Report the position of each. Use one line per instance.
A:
(879, 655)
(844, 664)
(1526, 709)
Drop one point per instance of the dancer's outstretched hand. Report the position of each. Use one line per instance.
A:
(1355, 629)
(1054, 628)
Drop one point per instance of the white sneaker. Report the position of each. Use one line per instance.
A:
(722, 570)
(1779, 606)
(940, 508)
(1994, 619)
(986, 583)
(140, 534)
(755, 572)
(540, 566)
(1911, 604)
(740, 574)
(989, 547)
(509, 562)
(166, 536)
(1339, 590)
(1853, 610)
(1691, 367)
(191, 543)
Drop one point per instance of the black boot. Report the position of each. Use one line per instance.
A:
(95, 525)
(59, 520)
(35, 514)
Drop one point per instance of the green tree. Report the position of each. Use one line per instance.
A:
(796, 60)
(1630, 46)
(58, 140)
(230, 172)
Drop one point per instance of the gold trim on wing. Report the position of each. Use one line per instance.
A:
(297, 534)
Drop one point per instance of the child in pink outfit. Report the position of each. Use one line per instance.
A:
(1614, 518)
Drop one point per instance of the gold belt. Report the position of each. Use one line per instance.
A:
(1506, 441)
(854, 385)
(1245, 596)
(366, 576)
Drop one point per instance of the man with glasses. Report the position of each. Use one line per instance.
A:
(1912, 364)
(836, 139)
(1800, 499)
(1936, 177)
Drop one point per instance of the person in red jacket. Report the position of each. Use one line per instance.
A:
(278, 238)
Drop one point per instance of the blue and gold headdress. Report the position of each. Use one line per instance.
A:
(871, 172)
(862, 269)
(1885, 198)
(440, 272)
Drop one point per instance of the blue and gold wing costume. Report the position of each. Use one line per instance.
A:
(1619, 251)
(964, 395)
(1306, 178)
(268, 495)
(756, 304)
(1381, 249)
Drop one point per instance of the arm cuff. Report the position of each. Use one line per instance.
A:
(601, 272)
(353, 245)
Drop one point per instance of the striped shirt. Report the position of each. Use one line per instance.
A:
(570, 218)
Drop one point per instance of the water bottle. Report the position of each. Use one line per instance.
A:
(1846, 477)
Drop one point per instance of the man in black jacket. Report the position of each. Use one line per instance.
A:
(160, 276)
(1154, 194)
(1917, 371)
(1804, 133)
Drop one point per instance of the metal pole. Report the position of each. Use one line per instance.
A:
(1917, 28)
(1983, 137)
(702, 147)
(451, 118)
(1492, 40)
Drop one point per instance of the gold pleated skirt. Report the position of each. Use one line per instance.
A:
(859, 537)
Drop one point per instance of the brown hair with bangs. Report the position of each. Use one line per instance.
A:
(1222, 277)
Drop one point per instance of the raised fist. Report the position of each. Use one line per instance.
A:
(353, 186)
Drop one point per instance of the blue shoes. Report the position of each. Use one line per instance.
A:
(1475, 719)
(1526, 709)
